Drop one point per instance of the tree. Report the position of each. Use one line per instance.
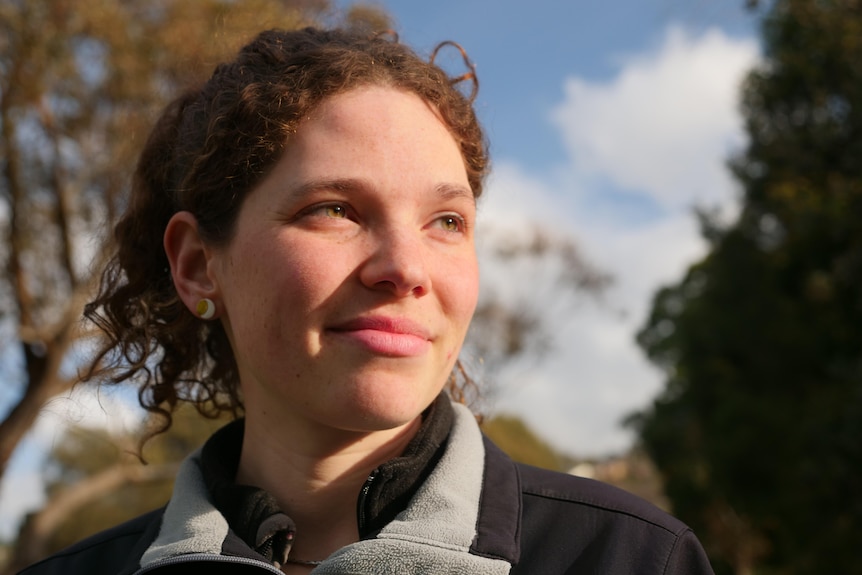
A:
(521, 443)
(530, 279)
(98, 471)
(79, 86)
(757, 431)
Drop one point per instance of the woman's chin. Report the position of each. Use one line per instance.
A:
(378, 410)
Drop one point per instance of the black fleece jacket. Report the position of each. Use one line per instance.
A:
(540, 522)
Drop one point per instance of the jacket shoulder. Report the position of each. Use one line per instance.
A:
(572, 524)
(543, 484)
(114, 551)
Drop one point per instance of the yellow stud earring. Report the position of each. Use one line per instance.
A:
(206, 308)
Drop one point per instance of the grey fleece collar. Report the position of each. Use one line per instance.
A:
(432, 535)
(191, 523)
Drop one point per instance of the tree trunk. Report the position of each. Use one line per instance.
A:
(21, 418)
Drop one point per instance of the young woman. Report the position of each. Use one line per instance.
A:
(299, 247)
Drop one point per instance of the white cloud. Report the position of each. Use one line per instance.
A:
(514, 199)
(662, 128)
(666, 123)
(596, 374)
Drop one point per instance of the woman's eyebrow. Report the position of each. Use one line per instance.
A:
(446, 191)
(454, 192)
(335, 184)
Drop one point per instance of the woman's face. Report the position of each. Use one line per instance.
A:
(351, 279)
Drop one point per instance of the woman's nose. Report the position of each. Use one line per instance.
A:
(397, 264)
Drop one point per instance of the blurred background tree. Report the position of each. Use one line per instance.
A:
(521, 443)
(95, 481)
(530, 278)
(758, 431)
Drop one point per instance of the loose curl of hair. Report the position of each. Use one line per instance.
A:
(210, 147)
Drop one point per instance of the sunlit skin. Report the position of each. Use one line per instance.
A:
(346, 292)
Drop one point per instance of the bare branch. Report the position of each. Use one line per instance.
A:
(15, 190)
(60, 190)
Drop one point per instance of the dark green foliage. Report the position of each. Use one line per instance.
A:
(759, 430)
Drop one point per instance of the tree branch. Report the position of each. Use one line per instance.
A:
(59, 188)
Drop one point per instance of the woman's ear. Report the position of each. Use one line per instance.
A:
(189, 258)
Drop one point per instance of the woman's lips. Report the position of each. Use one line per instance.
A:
(392, 337)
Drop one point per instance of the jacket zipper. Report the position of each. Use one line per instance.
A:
(360, 503)
(198, 557)
(201, 557)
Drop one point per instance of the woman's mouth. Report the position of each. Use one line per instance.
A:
(387, 336)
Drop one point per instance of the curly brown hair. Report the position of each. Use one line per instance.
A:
(210, 147)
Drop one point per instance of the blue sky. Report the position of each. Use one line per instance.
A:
(609, 122)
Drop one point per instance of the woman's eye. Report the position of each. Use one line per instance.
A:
(321, 213)
(451, 223)
(334, 211)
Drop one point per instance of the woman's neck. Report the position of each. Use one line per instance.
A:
(316, 476)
